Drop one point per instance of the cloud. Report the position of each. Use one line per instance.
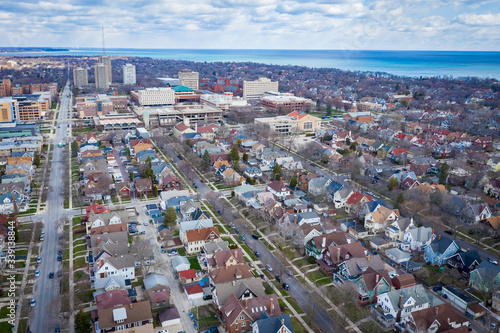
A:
(479, 20)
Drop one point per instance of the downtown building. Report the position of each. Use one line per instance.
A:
(154, 96)
(99, 104)
(256, 89)
(189, 79)
(101, 77)
(80, 77)
(129, 77)
(285, 102)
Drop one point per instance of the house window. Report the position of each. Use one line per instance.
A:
(243, 324)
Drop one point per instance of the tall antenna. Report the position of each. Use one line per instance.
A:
(103, 48)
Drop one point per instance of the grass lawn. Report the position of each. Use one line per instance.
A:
(77, 220)
(354, 312)
(5, 326)
(250, 253)
(79, 242)
(181, 251)
(79, 263)
(137, 283)
(295, 305)
(221, 230)
(297, 326)
(291, 253)
(315, 275)
(229, 240)
(267, 288)
(302, 262)
(323, 281)
(194, 263)
(371, 327)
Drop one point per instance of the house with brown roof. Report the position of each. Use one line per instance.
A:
(378, 220)
(111, 299)
(108, 229)
(279, 189)
(403, 281)
(181, 129)
(120, 317)
(437, 319)
(226, 258)
(122, 189)
(170, 183)
(141, 147)
(371, 284)
(317, 245)
(334, 255)
(197, 238)
(238, 315)
(135, 142)
(230, 273)
(143, 186)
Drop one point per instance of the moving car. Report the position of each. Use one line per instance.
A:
(285, 286)
(51, 275)
(254, 236)
(269, 268)
(278, 278)
(289, 272)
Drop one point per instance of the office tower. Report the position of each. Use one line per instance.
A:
(8, 110)
(106, 60)
(80, 77)
(256, 89)
(129, 74)
(101, 77)
(5, 88)
(189, 79)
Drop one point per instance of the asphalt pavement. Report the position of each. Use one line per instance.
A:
(44, 316)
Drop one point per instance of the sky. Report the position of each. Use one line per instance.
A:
(462, 25)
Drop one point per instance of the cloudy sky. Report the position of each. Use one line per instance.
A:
(254, 24)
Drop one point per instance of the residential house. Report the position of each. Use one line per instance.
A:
(106, 265)
(318, 186)
(279, 189)
(403, 281)
(397, 256)
(420, 165)
(278, 324)
(317, 245)
(441, 318)
(440, 250)
(211, 248)
(333, 188)
(180, 263)
(169, 317)
(398, 228)
(353, 268)
(9, 203)
(417, 239)
(197, 238)
(475, 212)
(307, 232)
(239, 315)
(371, 284)
(112, 298)
(181, 129)
(170, 183)
(340, 197)
(465, 261)
(334, 255)
(492, 188)
(193, 225)
(299, 219)
(122, 317)
(398, 155)
(485, 277)
(227, 258)
(355, 201)
(158, 290)
(122, 189)
(241, 289)
(397, 305)
(230, 273)
(378, 220)
(143, 186)
(404, 176)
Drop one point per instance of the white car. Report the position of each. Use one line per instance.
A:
(493, 261)
(269, 268)
(145, 223)
(33, 302)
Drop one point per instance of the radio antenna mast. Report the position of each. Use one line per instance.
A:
(103, 48)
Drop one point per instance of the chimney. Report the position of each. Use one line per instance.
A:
(98, 240)
(433, 231)
(236, 254)
(401, 301)
(271, 308)
(131, 305)
(295, 219)
(282, 321)
(281, 181)
(338, 254)
(376, 278)
(246, 303)
(368, 257)
(439, 237)
(323, 244)
(116, 255)
(436, 311)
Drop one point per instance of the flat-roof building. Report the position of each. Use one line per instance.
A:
(256, 89)
(154, 96)
(189, 79)
(129, 77)
(192, 113)
(285, 102)
(80, 77)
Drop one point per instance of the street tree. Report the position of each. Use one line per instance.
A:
(170, 217)
(82, 322)
(245, 157)
(443, 173)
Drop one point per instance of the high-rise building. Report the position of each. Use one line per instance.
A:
(189, 79)
(5, 88)
(80, 77)
(256, 89)
(101, 77)
(129, 74)
(106, 60)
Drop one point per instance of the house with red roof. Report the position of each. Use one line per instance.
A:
(355, 201)
(193, 291)
(188, 276)
(398, 154)
(96, 209)
(207, 132)
(181, 129)
(170, 183)
(112, 298)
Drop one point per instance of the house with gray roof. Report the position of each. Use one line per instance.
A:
(299, 219)
(486, 277)
(111, 283)
(318, 186)
(242, 289)
(191, 225)
(180, 264)
(440, 250)
(212, 247)
(399, 304)
(353, 268)
(417, 239)
(278, 324)
(154, 280)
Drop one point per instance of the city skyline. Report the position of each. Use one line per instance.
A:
(461, 25)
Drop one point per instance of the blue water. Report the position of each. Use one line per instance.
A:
(409, 63)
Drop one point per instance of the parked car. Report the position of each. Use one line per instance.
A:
(59, 258)
(33, 302)
(59, 252)
(57, 329)
(289, 272)
(236, 231)
(202, 181)
(212, 330)
(38, 260)
(449, 232)
(437, 288)
(145, 223)
(243, 238)
(172, 253)
(37, 273)
(269, 268)
(285, 286)
(493, 261)
(254, 236)
(278, 278)
(207, 297)
(51, 275)
(142, 232)
(257, 254)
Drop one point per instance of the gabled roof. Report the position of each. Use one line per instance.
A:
(417, 293)
(153, 280)
(222, 257)
(252, 308)
(134, 312)
(187, 274)
(238, 288)
(202, 234)
(267, 324)
(278, 186)
(421, 234)
(347, 251)
(356, 197)
(372, 278)
(487, 270)
(111, 299)
(193, 289)
(231, 273)
(441, 244)
(333, 238)
(444, 314)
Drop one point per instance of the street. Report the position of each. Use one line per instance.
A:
(45, 315)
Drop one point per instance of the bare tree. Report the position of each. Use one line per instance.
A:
(142, 250)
